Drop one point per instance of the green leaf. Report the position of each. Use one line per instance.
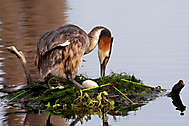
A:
(56, 105)
(48, 105)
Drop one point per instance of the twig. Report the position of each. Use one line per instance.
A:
(176, 88)
(123, 95)
(138, 83)
(108, 84)
(23, 61)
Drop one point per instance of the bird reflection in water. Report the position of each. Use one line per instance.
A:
(73, 123)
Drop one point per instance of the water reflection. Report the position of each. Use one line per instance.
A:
(73, 123)
(44, 119)
(177, 102)
(21, 23)
(19, 116)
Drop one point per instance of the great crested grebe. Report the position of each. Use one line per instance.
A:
(60, 52)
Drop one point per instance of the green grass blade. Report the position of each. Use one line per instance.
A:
(19, 95)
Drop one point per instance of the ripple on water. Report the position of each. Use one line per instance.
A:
(1, 80)
(1, 64)
(3, 107)
(2, 72)
(1, 57)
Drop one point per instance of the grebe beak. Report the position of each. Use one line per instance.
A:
(102, 70)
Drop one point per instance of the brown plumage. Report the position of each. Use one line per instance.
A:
(60, 52)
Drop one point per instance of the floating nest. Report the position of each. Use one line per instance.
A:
(116, 95)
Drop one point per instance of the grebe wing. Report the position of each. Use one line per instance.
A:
(60, 37)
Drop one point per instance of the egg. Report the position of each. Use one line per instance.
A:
(89, 84)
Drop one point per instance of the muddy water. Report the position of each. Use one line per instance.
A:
(150, 41)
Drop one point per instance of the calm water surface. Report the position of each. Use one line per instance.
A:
(151, 40)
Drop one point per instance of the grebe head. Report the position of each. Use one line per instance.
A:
(101, 36)
(104, 50)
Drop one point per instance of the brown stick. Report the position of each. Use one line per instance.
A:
(23, 61)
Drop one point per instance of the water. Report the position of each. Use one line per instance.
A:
(150, 41)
